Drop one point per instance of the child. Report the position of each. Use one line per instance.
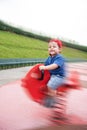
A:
(55, 64)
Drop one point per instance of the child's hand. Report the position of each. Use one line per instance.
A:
(42, 67)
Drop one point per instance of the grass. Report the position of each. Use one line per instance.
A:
(18, 46)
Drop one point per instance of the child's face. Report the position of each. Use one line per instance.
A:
(53, 48)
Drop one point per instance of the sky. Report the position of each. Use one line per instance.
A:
(65, 19)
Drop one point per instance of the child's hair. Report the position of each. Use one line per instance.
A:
(59, 43)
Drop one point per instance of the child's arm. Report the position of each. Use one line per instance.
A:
(48, 67)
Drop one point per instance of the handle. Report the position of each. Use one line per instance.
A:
(42, 76)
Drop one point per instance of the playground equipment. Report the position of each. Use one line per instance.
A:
(35, 85)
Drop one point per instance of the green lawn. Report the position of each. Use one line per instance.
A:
(18, 46)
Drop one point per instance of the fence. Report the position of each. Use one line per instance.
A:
(21, 62)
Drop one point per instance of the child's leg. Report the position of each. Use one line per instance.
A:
(51, 92)
(53, 84)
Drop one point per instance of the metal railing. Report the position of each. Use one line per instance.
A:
(8, 63)
(19, 62)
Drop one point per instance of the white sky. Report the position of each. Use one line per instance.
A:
(59, 18)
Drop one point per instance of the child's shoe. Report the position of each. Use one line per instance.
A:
(49, 101)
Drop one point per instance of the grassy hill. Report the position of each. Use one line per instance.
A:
(17, 46)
